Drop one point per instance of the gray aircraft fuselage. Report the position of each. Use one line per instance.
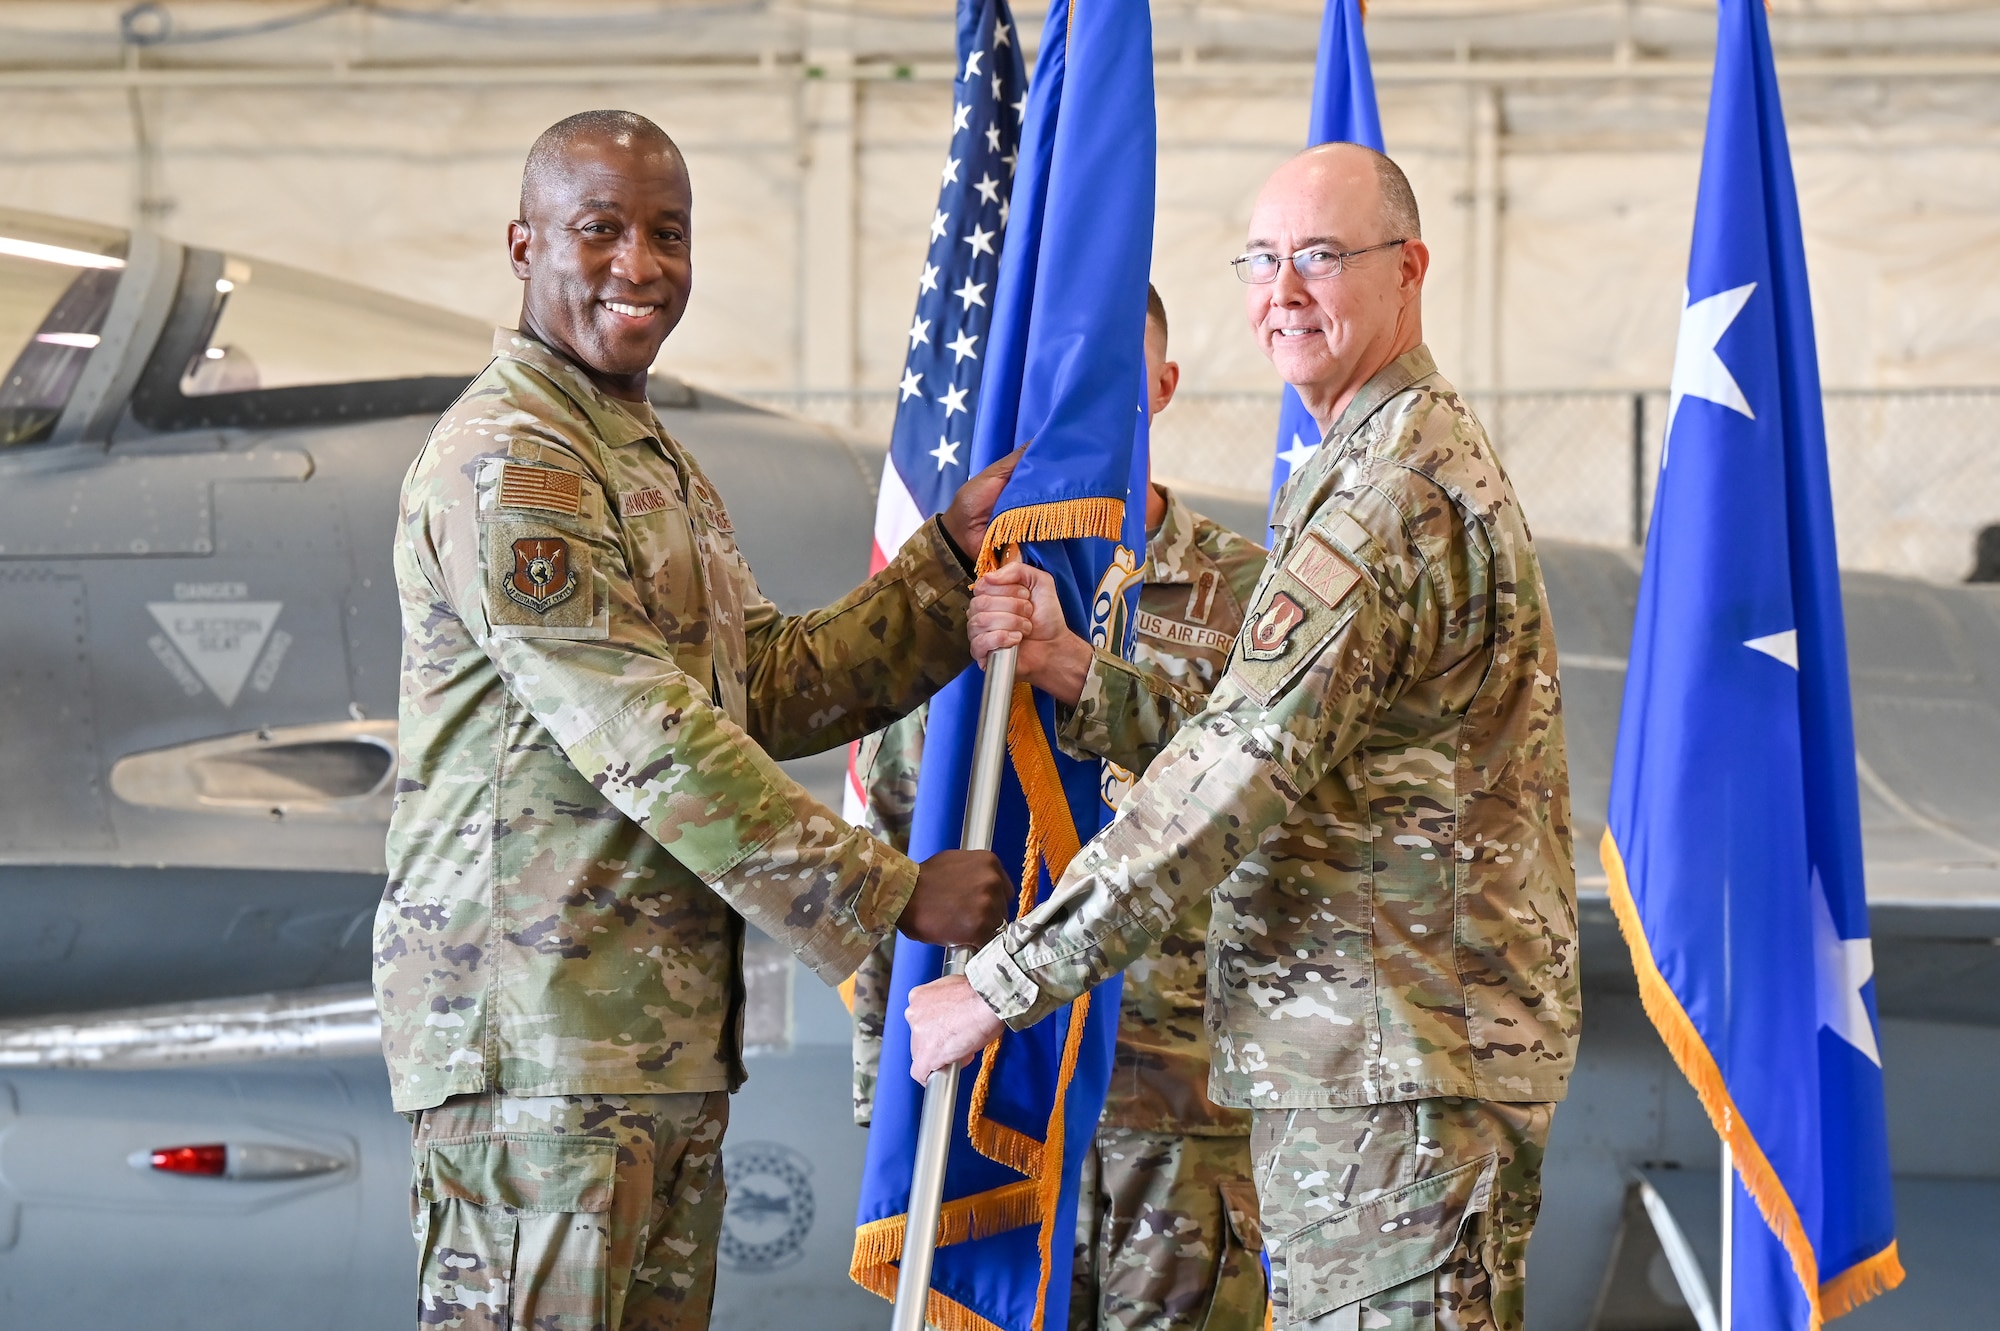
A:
(199, 649)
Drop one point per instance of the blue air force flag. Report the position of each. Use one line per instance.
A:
(1343, 111)
(1065, 375)
(1734, 845)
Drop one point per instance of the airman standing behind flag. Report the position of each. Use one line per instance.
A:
(1167, 1217)
(1376, 799)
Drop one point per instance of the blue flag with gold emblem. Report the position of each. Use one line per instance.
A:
(1734, 840)
(1064, 375)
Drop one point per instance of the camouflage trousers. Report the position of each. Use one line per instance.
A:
(1166, 1235)
(1400, 1216)
(568, 1212)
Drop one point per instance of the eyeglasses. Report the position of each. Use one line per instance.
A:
(1314, 265)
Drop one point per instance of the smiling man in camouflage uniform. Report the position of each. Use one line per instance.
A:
(588, 803)
(1166, 1219)
(1376, 799)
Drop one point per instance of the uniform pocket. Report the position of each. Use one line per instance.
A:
(516, 1231)
(1385, 1243)
(1240, 1292)
(522, 1173)
(1239, 1207)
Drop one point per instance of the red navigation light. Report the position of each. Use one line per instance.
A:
(211, 1159)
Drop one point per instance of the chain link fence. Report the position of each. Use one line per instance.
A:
(1916, 472)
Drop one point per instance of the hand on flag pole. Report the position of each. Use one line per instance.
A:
(970, 511)
(949, 1024)
(1016, 606)
(960, 900)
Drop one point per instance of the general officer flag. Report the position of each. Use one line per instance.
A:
(1734, 844)
(1065, 375)
(930, 448)
(1343, 111)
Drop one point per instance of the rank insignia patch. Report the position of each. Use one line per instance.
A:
(704, 493)
(1202, 599)
(541, 487)
(1269, 633)
(542, 578)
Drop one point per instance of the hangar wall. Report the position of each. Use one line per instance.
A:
(1554, 148)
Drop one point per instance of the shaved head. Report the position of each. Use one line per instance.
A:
(549, 160)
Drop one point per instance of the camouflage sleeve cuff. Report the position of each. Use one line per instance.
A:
(931, 567)
(1109, 687)
(880, 904)
(1006, 988)
(1125, 714)
(836, 949)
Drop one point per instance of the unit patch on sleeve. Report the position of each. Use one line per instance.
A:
(1268, 634)
(638, 503)
(542, 578)
(1301, 604)
(541, 582)
(1321, 569)
(541, 487)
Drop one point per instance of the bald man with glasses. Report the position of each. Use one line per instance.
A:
(1375, 800)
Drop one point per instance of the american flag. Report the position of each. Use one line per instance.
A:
(939, 393)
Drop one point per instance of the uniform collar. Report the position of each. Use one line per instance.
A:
(614, 424)
(1391, 379)
(1171, 550)
(1413, 365)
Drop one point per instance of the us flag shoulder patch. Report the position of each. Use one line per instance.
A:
(541, 487)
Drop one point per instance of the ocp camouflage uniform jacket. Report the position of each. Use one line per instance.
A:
(589, 674)
(1376, 794)
(1198, 577)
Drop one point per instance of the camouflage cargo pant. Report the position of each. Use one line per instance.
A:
(1166, 1235)
(568, 1212)
(1400, 1216)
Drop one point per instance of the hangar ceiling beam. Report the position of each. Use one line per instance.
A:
(1177, 69)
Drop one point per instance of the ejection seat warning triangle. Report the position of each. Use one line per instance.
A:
(220, 639)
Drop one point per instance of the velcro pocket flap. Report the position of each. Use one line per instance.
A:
(523, 1172)
(1239, 1203)
(1382, 1243)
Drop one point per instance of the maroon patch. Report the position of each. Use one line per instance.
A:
(542, 578)
(1270, 630)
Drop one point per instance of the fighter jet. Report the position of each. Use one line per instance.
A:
(199, 459)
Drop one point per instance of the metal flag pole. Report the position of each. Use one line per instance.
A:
(982, 800)
(1726, 1314)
